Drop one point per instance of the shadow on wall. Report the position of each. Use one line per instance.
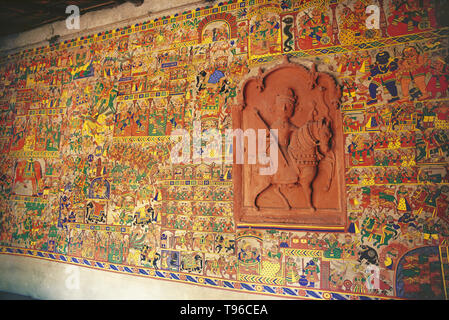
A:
(13, 296)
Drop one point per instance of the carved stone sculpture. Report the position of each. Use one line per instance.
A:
(298, 111)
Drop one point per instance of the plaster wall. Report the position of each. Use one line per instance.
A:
(41, 279)
(94, 21)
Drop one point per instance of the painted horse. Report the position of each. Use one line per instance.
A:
(381, 233)
(216, 266)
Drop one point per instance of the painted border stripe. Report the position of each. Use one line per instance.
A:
(247, 287)
(269, 289)
(289, 292)
(314, 294)
(191, 279)
(209, 281)
(338, 296)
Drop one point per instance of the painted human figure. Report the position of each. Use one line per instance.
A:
(19, 134)
(29, 170)
(350, 93)
(336, 280)
(430, 231)
(249, 257)
(291, 271)
(312, 271)
(351, 63)
(101, 245)
(314, 29)
(438, 82)
(62, 242)
(413, 67)
(53, 134)
(334, 248)
(402, 199)
(271, 263)
(350, 248)
(359, 283)
(383, 73)
(410, 16)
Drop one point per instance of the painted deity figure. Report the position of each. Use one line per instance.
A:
(353, 27)
(383, 74)
(264, 35)
(314, 29)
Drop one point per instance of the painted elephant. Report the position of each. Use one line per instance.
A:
(368, 254)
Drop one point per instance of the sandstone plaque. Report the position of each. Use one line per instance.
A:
(301, 108)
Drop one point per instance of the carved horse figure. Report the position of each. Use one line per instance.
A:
(308, 145)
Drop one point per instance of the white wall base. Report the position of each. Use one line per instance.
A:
(42, 279)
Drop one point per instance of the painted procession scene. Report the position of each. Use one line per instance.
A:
(87, 128)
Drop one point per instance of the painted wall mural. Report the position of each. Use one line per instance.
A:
(85, 139)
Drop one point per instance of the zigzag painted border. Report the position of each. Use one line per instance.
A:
(239, 286)
(260, 279)
(303, 253)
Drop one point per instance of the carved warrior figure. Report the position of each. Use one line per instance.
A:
(299, 175)
(300, 149)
